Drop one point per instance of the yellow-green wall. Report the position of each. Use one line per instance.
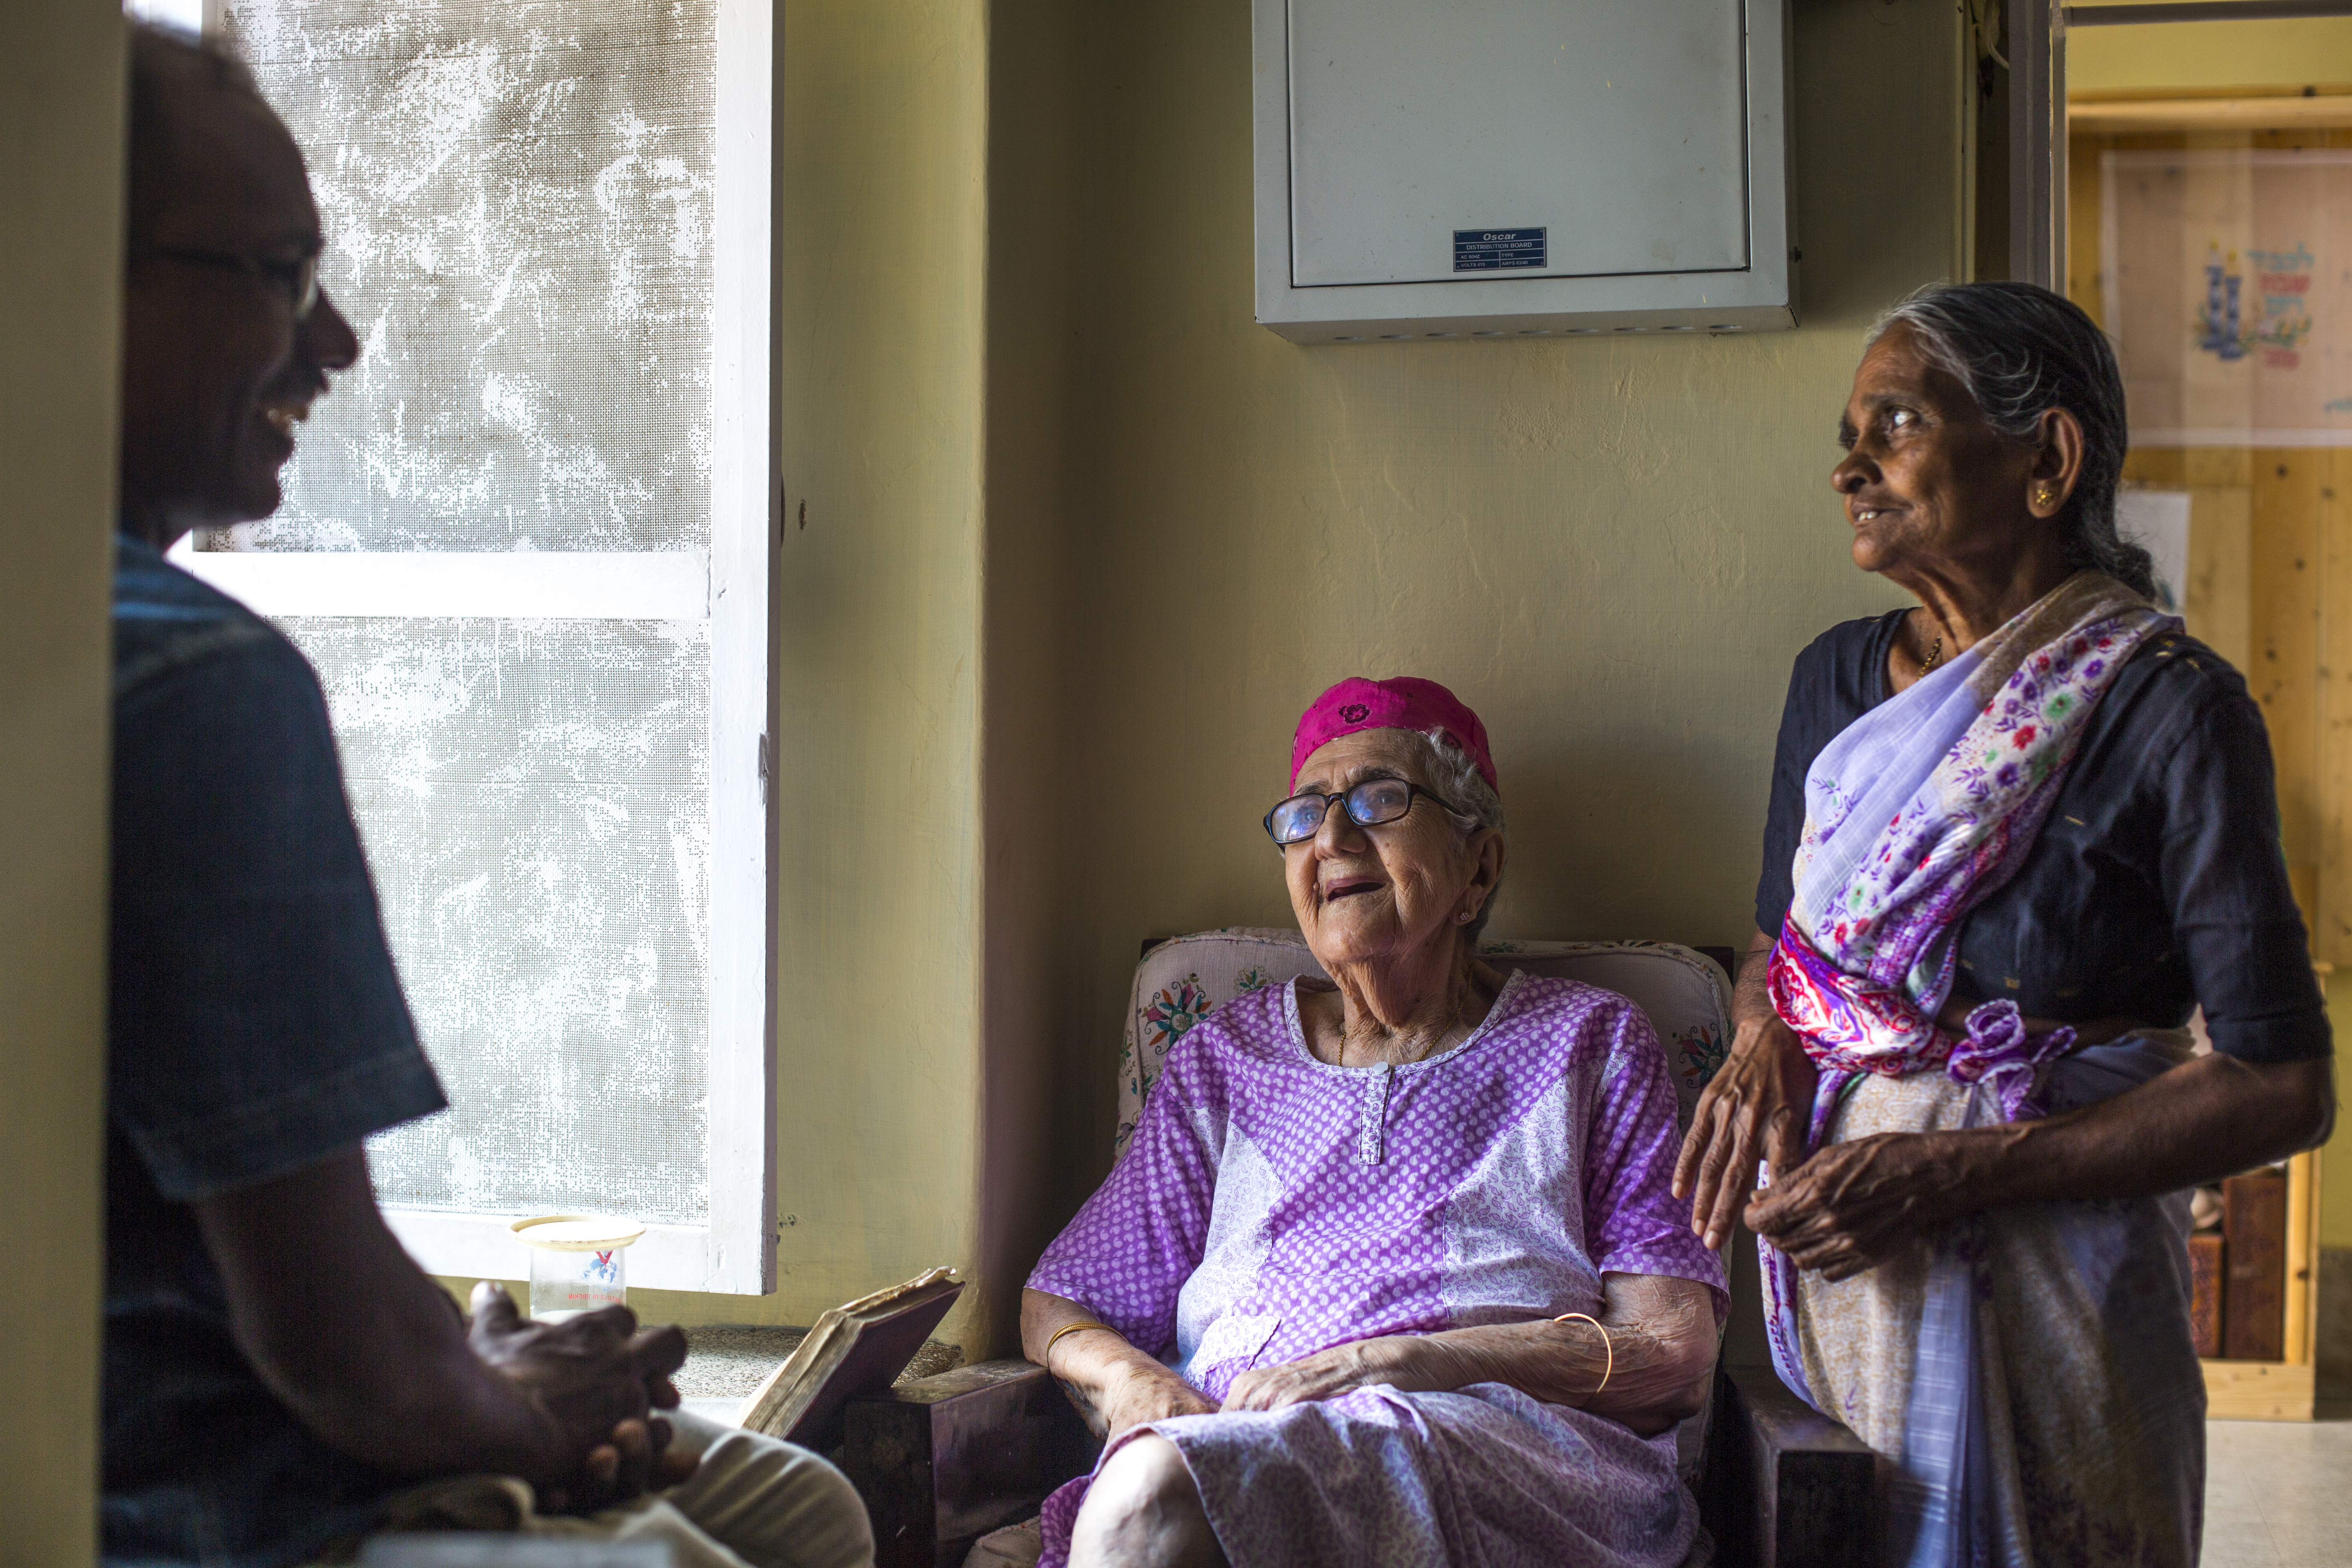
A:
(2204, 56)
(60, 184)
(1611, 549)
(881, 232)
(1041, 164)
(1082, 538)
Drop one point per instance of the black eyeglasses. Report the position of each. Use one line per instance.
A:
(297, 280)
(1367, 805)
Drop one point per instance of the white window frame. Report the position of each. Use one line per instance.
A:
(727, 588)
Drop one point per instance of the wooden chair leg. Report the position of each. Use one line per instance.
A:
(941, 1461)
(1784, 1485)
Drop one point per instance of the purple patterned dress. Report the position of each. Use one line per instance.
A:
(1273, 1206)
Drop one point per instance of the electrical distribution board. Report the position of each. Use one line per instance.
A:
(1493, 168)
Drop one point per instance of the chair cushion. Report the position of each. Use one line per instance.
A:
(1686, 998)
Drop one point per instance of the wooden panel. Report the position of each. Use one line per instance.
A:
(2311, 136)
(2318, 112)
(2270, 589)
(2303, 1257)
(2217, 466)
(2217, 601)
(2085, 233)
(2332, 921)
(2284, 673)
(2259, 1390)
(2281, 1389)
(1784, 1485)
(2205, 1253)
(2254, 1291)
(941, 1461)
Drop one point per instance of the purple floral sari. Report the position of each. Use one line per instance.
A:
(1922, 808)
(1914, 815)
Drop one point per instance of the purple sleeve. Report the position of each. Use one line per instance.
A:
(1634, 1224)
(1139, 1238)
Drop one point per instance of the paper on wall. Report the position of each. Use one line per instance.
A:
(2226, 277)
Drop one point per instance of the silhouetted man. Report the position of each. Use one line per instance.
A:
(280, 1376)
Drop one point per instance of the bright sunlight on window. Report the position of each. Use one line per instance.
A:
(524, 541)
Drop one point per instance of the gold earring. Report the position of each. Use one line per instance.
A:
(2042, 495)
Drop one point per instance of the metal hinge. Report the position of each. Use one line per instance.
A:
(763, 770)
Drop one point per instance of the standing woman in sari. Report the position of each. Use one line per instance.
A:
(2017, 834)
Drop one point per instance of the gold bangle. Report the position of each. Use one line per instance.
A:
(1044, 1357)
(1607, 1367)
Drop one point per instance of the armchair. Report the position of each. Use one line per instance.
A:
(946, 1461)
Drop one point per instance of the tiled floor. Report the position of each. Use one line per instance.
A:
(2278, 1494)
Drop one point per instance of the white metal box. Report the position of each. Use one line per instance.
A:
(1486, 168)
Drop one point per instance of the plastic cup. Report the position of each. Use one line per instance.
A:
(579, 1262)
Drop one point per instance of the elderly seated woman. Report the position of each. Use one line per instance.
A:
(1392, 1271)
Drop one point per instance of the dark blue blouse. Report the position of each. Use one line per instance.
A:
(2157, 883)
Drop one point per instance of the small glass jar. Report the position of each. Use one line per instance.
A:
(579, 1262)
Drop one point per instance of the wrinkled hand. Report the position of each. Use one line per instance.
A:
(1853, 1205)
(1138, 1393)
(596, 1378)
(1757, 1107)
(1409, 1363)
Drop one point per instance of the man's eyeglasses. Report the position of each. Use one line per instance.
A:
(1367, 805)
(297, 280)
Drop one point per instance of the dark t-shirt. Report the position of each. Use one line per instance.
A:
(254, 1026)
(2156, 883)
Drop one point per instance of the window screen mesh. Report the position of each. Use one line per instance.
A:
(534, 798)
(517, 207)
(518, 203)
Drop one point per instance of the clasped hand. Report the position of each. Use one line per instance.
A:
(1853, 1206)
(1407, 1362)
(1410, 1363)
(1841, 1210)
(596, 1380)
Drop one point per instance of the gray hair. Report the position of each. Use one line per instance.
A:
(1453, 775)
(2019, 350)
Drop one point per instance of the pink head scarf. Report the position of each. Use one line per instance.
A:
(1404, 702)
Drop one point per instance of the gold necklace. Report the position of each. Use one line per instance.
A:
(1933, 654)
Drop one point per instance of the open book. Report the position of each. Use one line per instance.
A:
(859, 1348)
